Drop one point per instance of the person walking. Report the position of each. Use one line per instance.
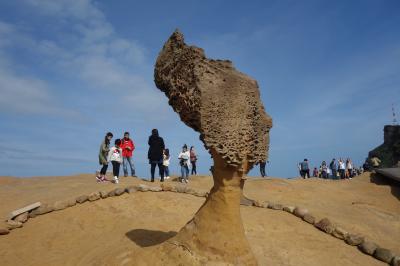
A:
(193, 160)
(328, 173)
(324, 170)
(103, 157)
(342, 168)
(166, 161)
(155, 154)
(349, 168)
(184, 162)
(127, 147)
(115, 157)
(304, 169)
(333, 167)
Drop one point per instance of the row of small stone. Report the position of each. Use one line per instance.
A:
(326, 226)
(18, 221)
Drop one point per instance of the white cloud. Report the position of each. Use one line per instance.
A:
(85, 48)
(77, 9)
(28, 95)
(5, 31)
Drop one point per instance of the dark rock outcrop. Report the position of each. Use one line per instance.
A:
(389, 151)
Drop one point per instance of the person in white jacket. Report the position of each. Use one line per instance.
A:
(115, 157)
(166, 161)
(184, 162)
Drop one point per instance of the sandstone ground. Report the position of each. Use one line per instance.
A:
(123, 230)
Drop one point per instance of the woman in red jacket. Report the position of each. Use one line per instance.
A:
(127, 147)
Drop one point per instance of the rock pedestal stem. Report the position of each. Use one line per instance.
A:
(216, 232)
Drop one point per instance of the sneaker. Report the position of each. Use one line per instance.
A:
(116, 181)
(181, 180)
(187, 180)
(167, 177)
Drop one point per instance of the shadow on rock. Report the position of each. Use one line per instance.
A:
(383, 181)
(147, 238)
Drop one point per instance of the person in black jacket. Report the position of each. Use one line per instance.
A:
(155, 154)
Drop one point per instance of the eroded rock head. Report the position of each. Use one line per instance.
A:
(216, 100)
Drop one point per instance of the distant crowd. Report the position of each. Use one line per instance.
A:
(158, 156)
(336, 169)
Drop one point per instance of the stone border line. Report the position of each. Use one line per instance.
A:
(324, 225)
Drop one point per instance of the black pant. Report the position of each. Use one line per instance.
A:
(262, 169)
(334, 174)
(103, 170)
(350, 172)
(341, 173)
(305, 173)
(116, 166)
(160, 169)
(194, 167)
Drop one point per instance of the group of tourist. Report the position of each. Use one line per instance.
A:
(158, 156)
(337, 169)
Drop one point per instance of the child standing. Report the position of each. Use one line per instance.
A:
(166, 158)
(115, 156)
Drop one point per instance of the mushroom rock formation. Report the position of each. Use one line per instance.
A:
(224, 106)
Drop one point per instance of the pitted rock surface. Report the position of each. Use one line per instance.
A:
(339, 233)
(368, 247)
(11, 224)
(289, 209)
(395, 261)
(22, 218)
(309, 218)
(354, 239)
(94, 196)
(325, 225)
(216, 100)
(383, 254)
(81, 199)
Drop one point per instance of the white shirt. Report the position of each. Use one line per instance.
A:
(185, 156)
(115, 154)
(349, 166)
(165, 160)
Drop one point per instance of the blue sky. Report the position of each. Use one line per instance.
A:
(72, 70)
